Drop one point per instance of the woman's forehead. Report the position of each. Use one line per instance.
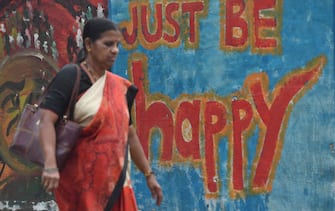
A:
(111, 34)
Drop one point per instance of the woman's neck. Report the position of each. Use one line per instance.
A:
(93, 70)
(94, 67)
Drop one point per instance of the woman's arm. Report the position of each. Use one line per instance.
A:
(138, 156)
(50, 174)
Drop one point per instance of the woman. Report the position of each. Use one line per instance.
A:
(103, 109)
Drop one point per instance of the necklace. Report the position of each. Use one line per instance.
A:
(92, 73)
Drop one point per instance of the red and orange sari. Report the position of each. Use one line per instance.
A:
(93, 169)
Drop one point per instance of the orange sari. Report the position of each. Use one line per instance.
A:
(92, 171)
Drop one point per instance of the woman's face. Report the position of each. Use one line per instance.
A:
(105, 49)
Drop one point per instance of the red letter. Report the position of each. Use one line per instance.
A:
(192, 8)
(131, 38)
(156, 115)
(145, 19)
(242, 116)
(190, 146)
(170, 8)
(273, 116)
(236, 27)
(215, 121)
(261, 23)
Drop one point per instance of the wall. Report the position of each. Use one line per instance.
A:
(235, 108)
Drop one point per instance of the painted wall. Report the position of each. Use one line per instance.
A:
(236, 102)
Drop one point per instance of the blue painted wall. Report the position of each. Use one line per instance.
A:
(304, 178)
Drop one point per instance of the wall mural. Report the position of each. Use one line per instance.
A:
(234, 108)
(36, 38)
(235, 103)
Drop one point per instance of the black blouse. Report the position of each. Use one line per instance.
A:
(58, 96)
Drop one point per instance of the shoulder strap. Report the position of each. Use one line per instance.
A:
(74, 95)
(118, 187)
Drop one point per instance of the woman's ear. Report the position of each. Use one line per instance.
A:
(88, 44)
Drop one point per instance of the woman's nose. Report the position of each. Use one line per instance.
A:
(114, 49)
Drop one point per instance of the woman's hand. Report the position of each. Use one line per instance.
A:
(139, 158)
(50, 175)
(50, 179)
(155, 188)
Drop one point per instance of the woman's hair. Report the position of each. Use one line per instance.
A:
(97, 26)
(93, 29)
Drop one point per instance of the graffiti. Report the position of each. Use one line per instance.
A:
(25, 76)
(260, 19)
(33, 45)
(176, 21)
(27, 28)
(183, 121)
(234, 142)
(168, 29)
(32, 24)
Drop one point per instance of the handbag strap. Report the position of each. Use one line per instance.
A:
(74, 95)
(117, 190)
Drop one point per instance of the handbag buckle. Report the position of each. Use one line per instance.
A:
(65, 119)
(35, 107)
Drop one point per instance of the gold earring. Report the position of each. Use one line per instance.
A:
(89, 50)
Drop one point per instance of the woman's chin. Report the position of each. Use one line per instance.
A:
(109, 64)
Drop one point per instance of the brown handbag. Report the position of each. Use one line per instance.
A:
(26, 143)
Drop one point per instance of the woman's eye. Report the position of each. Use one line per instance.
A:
(109, 44)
